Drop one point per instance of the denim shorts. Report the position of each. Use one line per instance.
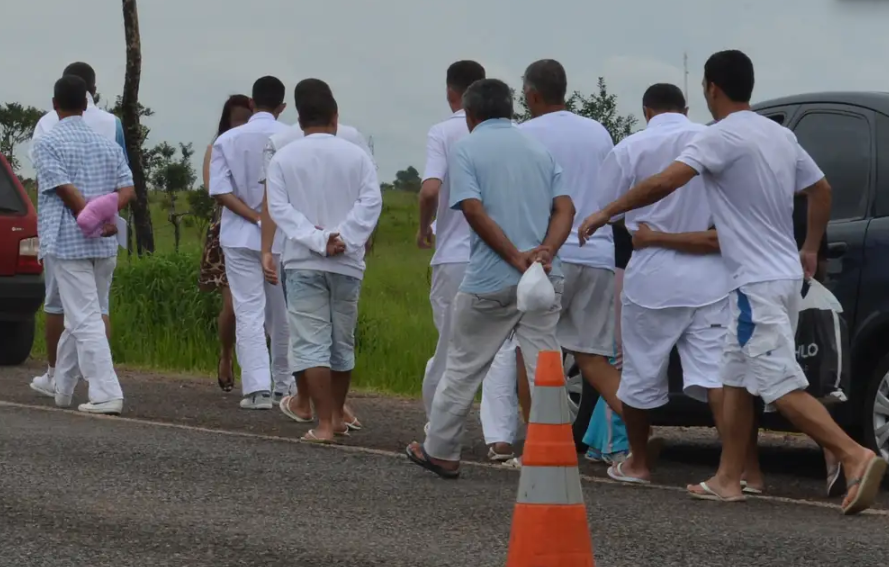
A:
(322, 310)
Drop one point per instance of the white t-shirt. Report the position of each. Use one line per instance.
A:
(295, 132)
(658, 278)
(752, 167)
(101, 121)
(318, 185)
(579, 145)
(452, 230)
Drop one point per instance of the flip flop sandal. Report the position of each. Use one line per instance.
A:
(499, 457)
(868, 487)
(342, 433)
(354, 425)
(284, 405)
(311, 438)
(514, 463)
(747, 489)
(834, 488)
(710, 494)
(616, 473)
(427, 464)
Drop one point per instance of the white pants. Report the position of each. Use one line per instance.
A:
(500, 416)
(83, 347)
(259, 309)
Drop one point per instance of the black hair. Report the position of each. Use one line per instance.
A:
(732, 72)
(85, 72)
(234, 101)
(664, 97)
(462, 74)
(487, 99)
(547, 77)
(268, 93)
(314, 103)
(69, 93)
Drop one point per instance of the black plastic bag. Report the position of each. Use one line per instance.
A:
(822, 344)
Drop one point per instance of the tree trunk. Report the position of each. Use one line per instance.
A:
(132, 128)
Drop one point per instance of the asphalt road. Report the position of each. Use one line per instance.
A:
(188, 479)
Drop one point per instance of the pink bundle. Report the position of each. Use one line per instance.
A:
(97, 213)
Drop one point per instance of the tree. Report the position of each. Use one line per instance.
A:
(600, 106)
(129, 112)
(407, 180)
(17, 125)
(172, 175)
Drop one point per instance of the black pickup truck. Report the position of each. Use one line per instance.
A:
(847, 134)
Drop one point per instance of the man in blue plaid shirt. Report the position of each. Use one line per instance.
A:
(74, 165)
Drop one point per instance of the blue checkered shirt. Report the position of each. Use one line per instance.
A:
(73, 154)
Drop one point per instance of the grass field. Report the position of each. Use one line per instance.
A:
(160, 319)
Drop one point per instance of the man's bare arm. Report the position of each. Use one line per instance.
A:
(491, 233)
(268, 227)
(818, 215)
(652, 189)
(72, 198)
(703, 242)
(428, 201)
(124, 196)
(560, 222)
(237, 206)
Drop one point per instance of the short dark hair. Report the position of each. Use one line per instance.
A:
(268, 92)
(487, 99)
(314, 103)
(463, 73)
(664, 97)
(732, 72)
(84, 71)
(548, 78)
(69, 93)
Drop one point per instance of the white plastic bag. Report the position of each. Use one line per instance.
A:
(535, 291)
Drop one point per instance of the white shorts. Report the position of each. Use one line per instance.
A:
(760, 346)
(586, 324)
(648, 337)
(52, 303)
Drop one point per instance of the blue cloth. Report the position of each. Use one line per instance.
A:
(606, 433)
(72, 153)
(516, 180)
(120, 139)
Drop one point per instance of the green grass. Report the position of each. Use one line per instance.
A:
(161, 320)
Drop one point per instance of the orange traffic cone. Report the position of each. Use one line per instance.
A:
(549, 523)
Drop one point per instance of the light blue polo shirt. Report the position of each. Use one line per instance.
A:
(516, 179)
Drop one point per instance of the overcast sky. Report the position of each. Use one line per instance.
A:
(386, 60)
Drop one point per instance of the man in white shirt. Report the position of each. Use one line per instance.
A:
(676, 287)
(579, 145)
(236, 163)
(451, 242)
(324, 195)
(752, 168)
(105, 124)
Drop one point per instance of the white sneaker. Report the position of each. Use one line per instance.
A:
(111, 407)
(63, 400)
(45, 384)
(257, 401)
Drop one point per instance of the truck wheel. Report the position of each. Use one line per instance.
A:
(16, 340)
(875, 417)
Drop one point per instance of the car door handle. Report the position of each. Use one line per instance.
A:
(836, 249)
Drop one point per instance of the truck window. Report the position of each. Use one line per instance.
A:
(841, 146)
(10, 199)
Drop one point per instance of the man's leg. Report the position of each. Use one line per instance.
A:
(499, 409)
(345, 292)
(446, 279)
(586, 327)
(244, 272)
(54, 326)
(481, 325)
(311, 342)
(648, 337)
(276, 327)
(524, 385)
(81, 285)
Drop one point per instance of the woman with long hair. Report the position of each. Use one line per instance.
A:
(235, 112)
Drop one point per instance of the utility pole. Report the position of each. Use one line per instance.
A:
(685, 70)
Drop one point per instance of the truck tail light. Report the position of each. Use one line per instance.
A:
(27, 260)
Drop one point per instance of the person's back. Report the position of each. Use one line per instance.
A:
(516, 180)
(324, 176)
(281, 139)
(451, 229)
(659, 277)
(753, 165)
(579, 145)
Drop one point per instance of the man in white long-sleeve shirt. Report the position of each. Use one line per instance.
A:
(324, 195)
(235, 169)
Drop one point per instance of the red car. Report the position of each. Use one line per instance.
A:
(21, 275)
